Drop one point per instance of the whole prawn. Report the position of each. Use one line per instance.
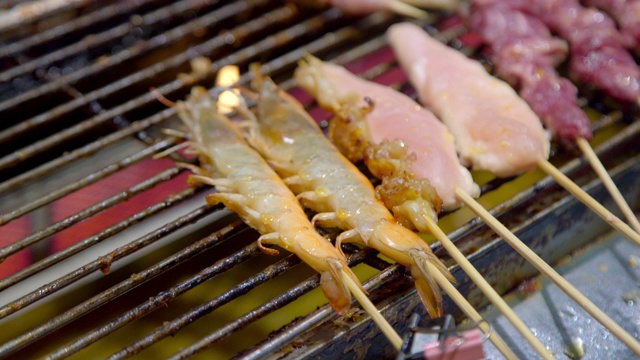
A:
(247, 185)
(331, 185)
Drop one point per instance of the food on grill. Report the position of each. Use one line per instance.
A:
(404, 7)
(391, 124)
(248, 186)
(494, 129)
(598, 56)
(525, 54)
(331, 185)
(627, 15)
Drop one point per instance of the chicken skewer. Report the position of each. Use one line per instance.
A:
(525, 54)
(321, 80)
(494, 129)
(248, 186)
(344, 198)
(425, 72)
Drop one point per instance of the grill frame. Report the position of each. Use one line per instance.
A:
(390, 289)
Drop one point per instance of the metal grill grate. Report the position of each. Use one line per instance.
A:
(102, 242)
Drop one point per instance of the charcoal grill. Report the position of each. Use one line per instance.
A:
(107, 252)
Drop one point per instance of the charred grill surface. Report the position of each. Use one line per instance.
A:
(98, 236)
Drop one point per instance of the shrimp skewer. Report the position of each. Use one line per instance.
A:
(331, 185)
(321, 79)
(247, 185)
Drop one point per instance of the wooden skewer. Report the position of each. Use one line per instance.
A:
(471, 313)
(368, 306)
(547, 270)
(586, 199)
(595, 162)
(434, 4)
(402, 8)
(486, 288)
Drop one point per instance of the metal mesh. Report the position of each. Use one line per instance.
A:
(74, 93)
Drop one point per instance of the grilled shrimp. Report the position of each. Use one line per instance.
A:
(411, 199)
(331, 185)
(247, 185)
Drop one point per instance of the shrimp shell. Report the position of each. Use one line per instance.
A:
(331, 185)
(248, 186)
(410, 199)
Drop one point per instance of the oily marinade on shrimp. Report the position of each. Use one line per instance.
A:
(328, 183)
(247, 185)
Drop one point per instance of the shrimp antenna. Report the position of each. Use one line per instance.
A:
(161, 98)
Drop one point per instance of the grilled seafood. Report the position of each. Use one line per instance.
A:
(391, 127)
(248, 186)
(331, 185)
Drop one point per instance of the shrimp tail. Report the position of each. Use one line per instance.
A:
(425, 284)
(334, 287)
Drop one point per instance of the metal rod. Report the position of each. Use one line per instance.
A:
(104, 262)
(86, 181)
(90, 211)
(110, 294)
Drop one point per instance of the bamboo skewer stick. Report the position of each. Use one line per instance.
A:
(608, 183)
(402, 8)
(368, 306)
(434, 4)
(488, 291)
(471, 313)
(547, 270)
(586, 199)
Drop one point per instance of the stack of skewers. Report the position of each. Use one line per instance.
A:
(419, 154)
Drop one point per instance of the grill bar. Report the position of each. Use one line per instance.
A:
(104, 263)
(283, 336)
(78, 25)
(88, 43)
(242, 288)
(133, 281)
(168, 38)
(88, 212)
(145, 99)
(275, 304)
(284, 35)
(86, 181)
(87, 243)
(85, 151)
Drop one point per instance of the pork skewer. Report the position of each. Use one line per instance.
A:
(338, 91)
(627, 15)
(344, 198)
(598, 54)
(432, 55)
(525, 54)
(494, 129)
(247, 185)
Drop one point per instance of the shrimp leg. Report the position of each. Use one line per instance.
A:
(289, 137)
(247, 185)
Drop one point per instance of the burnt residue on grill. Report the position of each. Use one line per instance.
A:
(74, 90)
